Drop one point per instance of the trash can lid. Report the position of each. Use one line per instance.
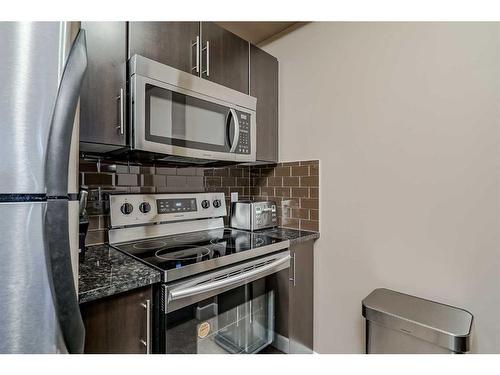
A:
(443, 325)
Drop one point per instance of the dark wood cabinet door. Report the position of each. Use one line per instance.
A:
(264, 86)
(118, 324)
(300, 328)
(170, 43)
(228, 57)
(101, 112)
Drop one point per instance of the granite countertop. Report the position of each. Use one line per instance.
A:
(107, 271)
(295, 236)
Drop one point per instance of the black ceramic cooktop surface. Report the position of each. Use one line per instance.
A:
(182, 250)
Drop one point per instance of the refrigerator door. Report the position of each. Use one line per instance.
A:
(32, 55)
(57, 221)
(28, 320)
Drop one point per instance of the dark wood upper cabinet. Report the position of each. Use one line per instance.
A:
(227, 62)
(171, 43)
(118, 324)
(264, 86)
(103, 94)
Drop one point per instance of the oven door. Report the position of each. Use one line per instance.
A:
(227, 311)
(171, 120)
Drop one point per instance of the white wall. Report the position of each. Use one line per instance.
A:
(405, 119)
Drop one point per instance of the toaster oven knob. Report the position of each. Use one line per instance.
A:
(216, 203)
(126, 208)
(144, 207)
(205, 203)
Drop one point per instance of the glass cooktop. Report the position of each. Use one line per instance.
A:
(184, 255)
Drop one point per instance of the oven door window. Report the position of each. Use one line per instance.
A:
(240, 320)
(180, 120)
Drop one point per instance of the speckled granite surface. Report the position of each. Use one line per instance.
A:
(294, 235)
(107, 271)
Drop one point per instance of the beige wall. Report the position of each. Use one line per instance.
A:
(405, 120)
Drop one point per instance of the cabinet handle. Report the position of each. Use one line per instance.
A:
(294, 278)
(207, 49)
(122, 112)
(147, 343)
(197, 45)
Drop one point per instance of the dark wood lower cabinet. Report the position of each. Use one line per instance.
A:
(294, 310)
(119, 324)
(301, 319)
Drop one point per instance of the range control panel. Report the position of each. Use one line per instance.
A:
(135, 209)
(167, 206)
(244, 140)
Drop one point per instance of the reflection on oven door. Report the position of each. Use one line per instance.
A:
(237, 321)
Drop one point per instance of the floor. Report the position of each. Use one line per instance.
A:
(271, 350)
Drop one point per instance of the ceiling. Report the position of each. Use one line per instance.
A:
(256, 32)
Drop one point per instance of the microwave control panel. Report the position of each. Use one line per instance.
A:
(243, 146)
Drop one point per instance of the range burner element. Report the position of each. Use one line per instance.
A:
(149, 245)
(183, 253)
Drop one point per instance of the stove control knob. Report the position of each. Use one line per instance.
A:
(126, 208)
(144, 207)
(205, 203)
(216, 203)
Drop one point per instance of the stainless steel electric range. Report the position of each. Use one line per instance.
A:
(215, 295)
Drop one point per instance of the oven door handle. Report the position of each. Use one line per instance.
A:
(198, 289)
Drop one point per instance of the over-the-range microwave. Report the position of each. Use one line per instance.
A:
(177, 114)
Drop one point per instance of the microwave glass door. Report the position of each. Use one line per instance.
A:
(240, 320)
(176, 119)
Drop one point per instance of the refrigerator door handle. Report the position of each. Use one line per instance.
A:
(61, 128)
(57, 241)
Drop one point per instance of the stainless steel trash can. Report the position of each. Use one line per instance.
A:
(399, 323)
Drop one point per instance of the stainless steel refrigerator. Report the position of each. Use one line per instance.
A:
(41, 71)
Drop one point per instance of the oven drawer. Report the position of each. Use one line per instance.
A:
(228, 311)
(239, 321)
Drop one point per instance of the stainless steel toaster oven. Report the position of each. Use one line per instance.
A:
(252, 216)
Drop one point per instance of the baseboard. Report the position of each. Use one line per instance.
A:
(281, 343)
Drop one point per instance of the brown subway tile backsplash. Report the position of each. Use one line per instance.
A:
(282, 171)
(300, 213)
(294, 186)
(154, 180)
(291, 181)
(300, 171)
(313, 192)
(309, 225)
(275, 181)
(309, 203)
(283, 192)
(266, 190)
(98, 179)
(300, 192)
(309, 181)
(166, 171)
(127, 179)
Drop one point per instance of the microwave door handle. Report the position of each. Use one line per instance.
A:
(236, 135)
(203, 288)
